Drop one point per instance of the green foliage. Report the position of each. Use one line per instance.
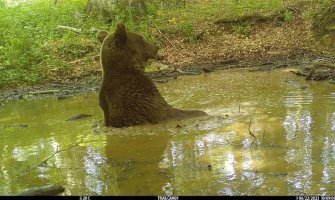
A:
(288, 15)
(187, 28)
(324, 15)
(323, 21)
(29, 38)
(242, 28)
(2, 3)
(33, 49)
(249, 7)
(172, 4)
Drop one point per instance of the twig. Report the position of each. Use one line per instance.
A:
(48, 158)
(57, 152)
(186, 73)
(76, 30)
(82, 59)
(173, 44)
(94, 125)
(251, 118)
(44, 92)
(167, 39)
(230, 143)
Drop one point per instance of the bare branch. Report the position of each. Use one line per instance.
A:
(76, 30)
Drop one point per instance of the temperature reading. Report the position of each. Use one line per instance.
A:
(84, 198)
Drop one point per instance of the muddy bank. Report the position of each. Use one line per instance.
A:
(90, 84)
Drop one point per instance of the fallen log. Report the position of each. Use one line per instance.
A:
(48, 190)
(80, 116)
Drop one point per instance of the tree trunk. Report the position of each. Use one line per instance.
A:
(89, 7)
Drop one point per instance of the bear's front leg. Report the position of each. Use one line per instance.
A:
(105, 109)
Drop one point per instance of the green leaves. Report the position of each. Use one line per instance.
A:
(30, 43)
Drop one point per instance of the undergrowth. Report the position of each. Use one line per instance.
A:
(34, 50)
(31, 45)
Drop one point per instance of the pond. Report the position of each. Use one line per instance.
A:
(292, 153)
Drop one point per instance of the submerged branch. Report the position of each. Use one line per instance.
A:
(249, 128)
(48, 158)
(48, 190)
(55, 153)
(93, 127)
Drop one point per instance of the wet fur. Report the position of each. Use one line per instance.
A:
(127, 96)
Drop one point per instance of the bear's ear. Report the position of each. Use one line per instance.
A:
(121, 33)
(101, 35)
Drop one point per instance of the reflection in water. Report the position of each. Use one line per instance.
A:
(303, 134)
(293, 120)
(92, 161)
(177, 154)
(290, 126)
(229, 166)
(333, 122)
(55, 147)
(137, 163)
(298, 132)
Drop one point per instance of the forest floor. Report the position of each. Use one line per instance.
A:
(258, 43)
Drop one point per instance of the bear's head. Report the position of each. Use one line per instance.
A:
(122, 47)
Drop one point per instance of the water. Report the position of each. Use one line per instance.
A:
(294, 153)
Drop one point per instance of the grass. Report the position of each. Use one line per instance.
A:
(31, 46)
(324, 16)
(33, 50)
(179, 20)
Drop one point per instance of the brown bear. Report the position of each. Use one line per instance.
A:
(127, 96)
